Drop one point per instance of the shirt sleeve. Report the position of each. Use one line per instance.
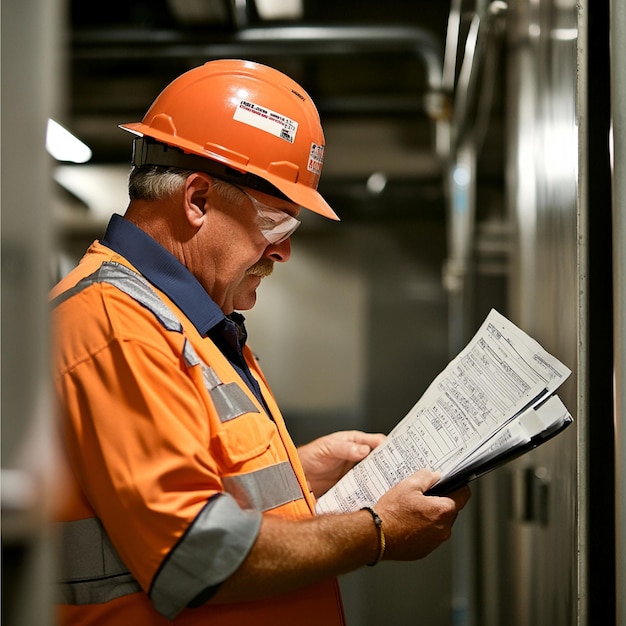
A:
(139, 438)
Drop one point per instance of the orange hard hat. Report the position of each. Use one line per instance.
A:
(243, 117)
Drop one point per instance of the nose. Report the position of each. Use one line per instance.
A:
(279, 252)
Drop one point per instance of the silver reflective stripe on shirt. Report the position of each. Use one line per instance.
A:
(132, 284)
(218, 540)
(213, 547)
(266, 488)
(229, 399)
(92, 571)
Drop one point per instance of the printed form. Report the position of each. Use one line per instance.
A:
(488, 393)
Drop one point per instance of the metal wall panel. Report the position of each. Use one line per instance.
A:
(539, 561)
(31, 59)
(618, 100)
(561, 75)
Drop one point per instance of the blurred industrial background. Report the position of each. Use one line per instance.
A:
(474, 151)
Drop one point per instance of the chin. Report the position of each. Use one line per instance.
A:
(245, 303)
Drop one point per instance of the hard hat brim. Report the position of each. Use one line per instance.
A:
(299, 194)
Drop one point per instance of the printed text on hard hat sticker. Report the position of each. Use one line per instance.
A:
(316, 159)
(266, 120)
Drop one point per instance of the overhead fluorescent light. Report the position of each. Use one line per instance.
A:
(63, 146)
(279, 9)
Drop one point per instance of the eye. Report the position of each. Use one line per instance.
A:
(270, 219)
(265, 222)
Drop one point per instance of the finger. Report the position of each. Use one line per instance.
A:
(351, 451)
(461, 496)
(425, 479)
(372, 440)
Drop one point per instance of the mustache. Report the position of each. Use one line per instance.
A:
(261, 268)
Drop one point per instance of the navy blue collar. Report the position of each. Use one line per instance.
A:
(168, 274)
(164, 271)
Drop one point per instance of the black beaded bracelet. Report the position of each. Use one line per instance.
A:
(381, 535)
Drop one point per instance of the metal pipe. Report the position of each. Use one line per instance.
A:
(618, 107)
(274, 40)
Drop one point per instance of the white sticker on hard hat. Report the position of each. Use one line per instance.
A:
(266, 120)
(316, 159)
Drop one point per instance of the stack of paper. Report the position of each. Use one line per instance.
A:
(493, 402)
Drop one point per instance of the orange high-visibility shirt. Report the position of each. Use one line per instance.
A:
(172, 460)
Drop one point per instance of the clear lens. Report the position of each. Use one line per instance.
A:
(274, 224)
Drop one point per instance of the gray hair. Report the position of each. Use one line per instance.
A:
(153, 182)
(156, 182)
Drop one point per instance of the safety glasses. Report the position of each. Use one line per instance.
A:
(274, 224)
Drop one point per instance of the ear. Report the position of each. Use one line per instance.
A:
(196, 201)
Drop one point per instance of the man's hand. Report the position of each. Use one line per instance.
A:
(327, 459)
(289, 554)
(415, 524)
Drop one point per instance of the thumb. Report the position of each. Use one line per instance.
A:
(425, 479)
(351, 451)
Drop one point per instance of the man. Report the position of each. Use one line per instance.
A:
(187, 501)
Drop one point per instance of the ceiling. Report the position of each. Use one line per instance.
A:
(370, 66)
(122, 53)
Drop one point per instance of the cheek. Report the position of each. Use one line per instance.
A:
(235, 263)
(234, 247)
(244, 295)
